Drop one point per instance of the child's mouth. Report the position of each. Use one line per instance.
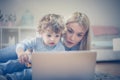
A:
(52, 44)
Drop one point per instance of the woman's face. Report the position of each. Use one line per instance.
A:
(74, 34)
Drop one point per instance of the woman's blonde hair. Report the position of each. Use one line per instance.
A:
(53, 21)
(83, 20)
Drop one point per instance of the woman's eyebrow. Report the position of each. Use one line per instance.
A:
(81, 33)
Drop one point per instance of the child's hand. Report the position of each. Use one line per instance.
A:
(25, 57)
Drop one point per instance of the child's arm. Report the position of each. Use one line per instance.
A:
(22, 50)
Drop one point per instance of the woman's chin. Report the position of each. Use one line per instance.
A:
(69, 45)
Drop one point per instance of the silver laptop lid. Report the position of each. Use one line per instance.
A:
(70, 65)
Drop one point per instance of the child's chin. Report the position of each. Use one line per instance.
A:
(52, 45)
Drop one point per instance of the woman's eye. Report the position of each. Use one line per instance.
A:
(49, 35)
(79, 35)
(70, 31)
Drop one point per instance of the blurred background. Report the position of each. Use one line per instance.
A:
(19, 19)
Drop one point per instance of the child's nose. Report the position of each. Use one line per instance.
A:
(52, 38)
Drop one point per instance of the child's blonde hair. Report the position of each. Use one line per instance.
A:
(83, 20)
(52, 21)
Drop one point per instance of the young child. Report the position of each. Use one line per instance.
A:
(51, 28)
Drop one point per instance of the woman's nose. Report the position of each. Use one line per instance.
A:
(73, 37)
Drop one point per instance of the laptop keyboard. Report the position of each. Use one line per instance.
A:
(103, 76)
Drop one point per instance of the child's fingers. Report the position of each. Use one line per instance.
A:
(28, 52)
(28, 64)
(23, 59)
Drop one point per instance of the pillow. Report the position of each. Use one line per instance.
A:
(105, 30)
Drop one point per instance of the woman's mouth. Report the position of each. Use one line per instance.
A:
(69, 42)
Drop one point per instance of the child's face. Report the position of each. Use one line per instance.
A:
(50, 38)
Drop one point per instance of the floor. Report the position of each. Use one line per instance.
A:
(108, 67)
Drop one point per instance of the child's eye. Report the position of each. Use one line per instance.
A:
(57, 36)
(49, 35)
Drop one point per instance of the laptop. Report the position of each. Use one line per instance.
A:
(66, 65)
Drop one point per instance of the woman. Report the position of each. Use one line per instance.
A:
(76, 37)
(77, 34)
